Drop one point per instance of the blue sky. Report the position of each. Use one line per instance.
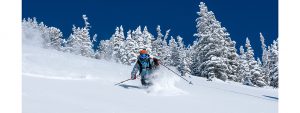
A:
(242, 18)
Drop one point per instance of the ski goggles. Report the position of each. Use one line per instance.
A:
(144, 56)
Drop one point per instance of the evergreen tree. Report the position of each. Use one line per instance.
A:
(184, 60)
(117, 43)
(29, 23)
(104, 50)
(255, 71)
(51, 36)
(122, 52)
(79, 41)
(165, 54)
(258, 78)
(232, 58)
(265, 60)
(55, 38)
(243, 71)
(131, 49)
(148, 37)
(188, 58)
(210, 48)
(184, 67)
(138, 37)
(87, 45)
(194, 61)
(157, 44)
(181, 53)
(174, 58)
(259, 62)
(274, 64)
(73, 43)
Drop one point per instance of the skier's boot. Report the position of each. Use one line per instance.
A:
(146, 82)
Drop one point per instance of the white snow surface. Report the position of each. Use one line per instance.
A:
(57, 82)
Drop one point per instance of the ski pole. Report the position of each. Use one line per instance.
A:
(123, 81)
(190, 82)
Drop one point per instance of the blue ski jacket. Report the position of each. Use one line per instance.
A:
(145, 67)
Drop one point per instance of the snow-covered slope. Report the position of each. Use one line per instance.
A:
(56, 82)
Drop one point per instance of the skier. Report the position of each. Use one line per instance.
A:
(146, 66)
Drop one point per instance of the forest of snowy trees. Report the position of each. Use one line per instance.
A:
(212, 55)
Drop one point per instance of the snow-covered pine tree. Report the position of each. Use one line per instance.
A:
(157, 44)
(123, 55)
(104, 50)
(79, 41)
(232, 58)
(265, 60)
(188, 58)
(63, 44)
(35, 23)
(181, 49)
(243, 70)
(259, 78)
(148, 37)
(183, 67)
(194, 61)
(117, 43)
(165, 54)
(73, 42)
(202, 27)
(28, 23)
(181, 45)
(52, 37)
(255, 70)
(174, 58)
(25, 23)
(137, 35)
(259, 62)
(274, 64)
(131, 49)
(122, 51)
(210, 49)
(55, 38)
(87, 45)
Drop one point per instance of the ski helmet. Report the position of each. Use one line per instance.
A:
(144, 51)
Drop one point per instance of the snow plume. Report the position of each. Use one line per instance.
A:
(164, 84)
(31, 36)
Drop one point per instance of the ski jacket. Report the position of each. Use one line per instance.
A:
(144, 67)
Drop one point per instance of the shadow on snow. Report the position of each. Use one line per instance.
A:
(276, 98)
(129, 86)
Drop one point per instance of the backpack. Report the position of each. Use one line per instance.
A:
(141, 65)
